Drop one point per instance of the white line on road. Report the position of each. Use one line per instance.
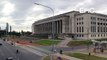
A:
(33, 51)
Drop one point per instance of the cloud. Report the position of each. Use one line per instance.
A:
(8, 8)
(22, 13)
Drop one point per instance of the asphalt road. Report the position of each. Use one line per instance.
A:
(49, 48)
(7, 50)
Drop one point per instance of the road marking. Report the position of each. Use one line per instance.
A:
(33, 51)
(40, 49)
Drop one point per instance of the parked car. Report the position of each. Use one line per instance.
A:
(9, 58)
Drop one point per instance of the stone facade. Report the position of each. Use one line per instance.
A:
(74, 25)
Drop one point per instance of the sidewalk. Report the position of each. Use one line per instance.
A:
(85, 51)
(63, 43)
(67, 57)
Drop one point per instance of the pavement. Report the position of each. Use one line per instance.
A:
(63, 43)
(98, 53)
(37, 52)
(7, 50)
(66, 57)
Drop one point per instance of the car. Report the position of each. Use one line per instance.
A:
(0, 44)
(9, 58)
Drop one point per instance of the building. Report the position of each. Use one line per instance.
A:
(74, 25)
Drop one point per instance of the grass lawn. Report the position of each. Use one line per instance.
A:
(47, 58)
(47, 42)
(78, 43)
(85, 56)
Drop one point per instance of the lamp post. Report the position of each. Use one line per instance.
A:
(88, 46)
(52, 53)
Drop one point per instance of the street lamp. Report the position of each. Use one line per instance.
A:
(52, 56)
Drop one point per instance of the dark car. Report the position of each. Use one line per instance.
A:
(0, 44)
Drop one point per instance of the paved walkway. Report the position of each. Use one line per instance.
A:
(64, 43)
(67, 57)
(85, 51)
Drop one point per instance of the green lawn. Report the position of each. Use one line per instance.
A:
(47, 58)
(78, 43)
(85, 56)
(47, 42)
(103, 39)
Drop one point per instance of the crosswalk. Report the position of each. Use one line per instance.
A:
(36, 50)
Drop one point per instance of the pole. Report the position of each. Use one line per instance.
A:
(52, 53)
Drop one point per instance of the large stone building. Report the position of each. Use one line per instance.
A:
(74, 25)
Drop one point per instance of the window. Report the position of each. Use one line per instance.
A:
(82, 29)
(101, 35)
(77, 29)
(100, 18)
(77, 19)
(82, 35)
(97, 18)
(95, 35)
(91, 18)
(82, 22)
(104, 35)
(103, 19)
(98, 23)
(82, 18)
(77, 35)
(98, 35)
(98, 29)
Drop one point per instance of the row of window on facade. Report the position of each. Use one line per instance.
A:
(101, 23)
(80, 29)
(92, 35)
(99, 29)
(99, 35)
(79, 23)
(80, 35)
(102, 19)
(102, 29)
(93, 29)
(92, 18)
(80, 18)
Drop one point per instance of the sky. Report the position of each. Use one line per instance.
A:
(20, 14)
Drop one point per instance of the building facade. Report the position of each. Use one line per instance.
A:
(74, 25)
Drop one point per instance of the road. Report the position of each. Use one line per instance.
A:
(7, 50)
(49, 48)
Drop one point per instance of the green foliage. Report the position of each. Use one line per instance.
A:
(78, 43)
(47, 42)
(102, 39)
(86, 56)
(47, 58)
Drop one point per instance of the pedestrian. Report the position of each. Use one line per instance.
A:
(102, 50)
(17, 51)
(55, 51)
(59, 58)
(61, 51)
(94, 50)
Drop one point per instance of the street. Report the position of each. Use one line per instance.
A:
(7, 50)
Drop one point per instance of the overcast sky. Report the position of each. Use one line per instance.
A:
(20, 14)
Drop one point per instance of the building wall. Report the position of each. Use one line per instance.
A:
(75, 25)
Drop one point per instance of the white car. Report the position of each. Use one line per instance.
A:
(9, 58)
